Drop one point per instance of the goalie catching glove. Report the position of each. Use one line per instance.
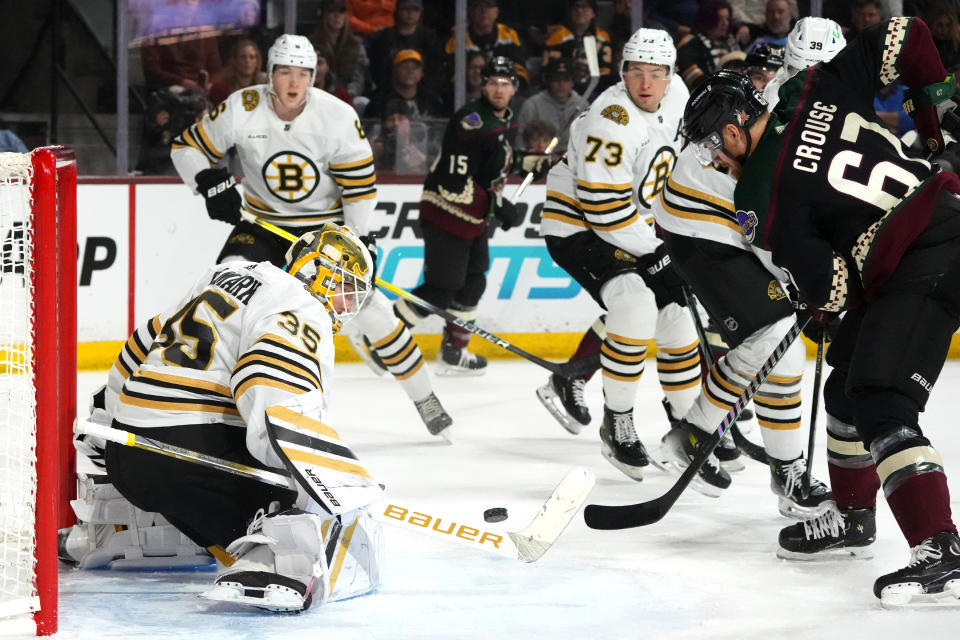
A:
(219, 189)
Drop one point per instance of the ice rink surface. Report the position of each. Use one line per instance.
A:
(707, 570)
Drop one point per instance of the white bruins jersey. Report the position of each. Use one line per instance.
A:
(246, 337)
(771, 91)
(618, 161)
(313, 169)
(698, 203)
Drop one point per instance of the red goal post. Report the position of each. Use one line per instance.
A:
(38, 377)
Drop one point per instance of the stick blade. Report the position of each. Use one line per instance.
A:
(554, 516)
(611, 518)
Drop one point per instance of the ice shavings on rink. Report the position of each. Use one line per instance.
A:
(708, 569)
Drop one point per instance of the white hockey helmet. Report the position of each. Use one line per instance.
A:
(294, 51)
(812, 40)
(653, 46)
(336, 267)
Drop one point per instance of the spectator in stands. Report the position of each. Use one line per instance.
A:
(888, 103)
(324, 80)
(863, 13)
(244, 68)
(698, 53)
(407, 32)
(535, 21)
(369, 16)
(344, 52)
(537, 136)
(942, 20)
(556, 104)
(486, 34)
(406, 85)
(184, 63)
(778, 22)
(755, 11)
(567, 41)
(400, 145)
(10, 142)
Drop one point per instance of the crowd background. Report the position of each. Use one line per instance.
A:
(393, 60)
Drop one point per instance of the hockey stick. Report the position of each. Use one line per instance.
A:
(590, 51)
(814, 408)
(526, 545)
(566, 369)
(753, 451)
(599, 516)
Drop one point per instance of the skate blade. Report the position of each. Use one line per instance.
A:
(364, 352)
(449, 371)
(273, 598)
(790, 509)
(839, 553)
(732, 466)
(445, 435)
(666, 463)
(911, 596)
(634, 473)
(551, 402)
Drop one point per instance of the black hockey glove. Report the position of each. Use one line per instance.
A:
(822, 322)
(657, 271)
(508, 214)
(535, 163)
(219, 189)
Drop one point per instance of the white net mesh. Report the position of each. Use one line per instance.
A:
(17, 399)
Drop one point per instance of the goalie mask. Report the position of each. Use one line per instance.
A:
(336, 267)
(292, 51)
(726, 97)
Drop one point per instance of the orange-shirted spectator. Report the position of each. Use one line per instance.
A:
(369, 16)
(244, 68)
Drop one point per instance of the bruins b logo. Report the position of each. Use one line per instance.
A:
(657, 174)
(290, 176)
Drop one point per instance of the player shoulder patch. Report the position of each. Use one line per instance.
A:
(250, 99)
(616, 113)
(623, 256)
(775, 291)
(748, 224)
(472, 121)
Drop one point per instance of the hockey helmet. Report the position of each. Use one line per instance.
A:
(813, 40)
(726, 97)
(293, 51)
(336, 267)
(500, 66)
(653, 46)
(764, 57)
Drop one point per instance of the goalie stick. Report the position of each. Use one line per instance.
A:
(526, 545)
(753, 451)
(566, 369)
(590, 51)
(607, 517)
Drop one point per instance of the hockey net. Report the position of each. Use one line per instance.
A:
(37, 379)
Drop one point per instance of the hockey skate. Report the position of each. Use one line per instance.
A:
(563, 398)
(291, 539)
(433, 415)
(620, 445)
(455, 361)
(679, 446)
(831, 535)
(931, 579)
(786, 482)
(727, 451)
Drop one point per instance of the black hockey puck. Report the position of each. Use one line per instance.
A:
(496, 514)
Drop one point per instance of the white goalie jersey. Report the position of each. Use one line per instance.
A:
(316, 168)
(617, 162)
(246, 337)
